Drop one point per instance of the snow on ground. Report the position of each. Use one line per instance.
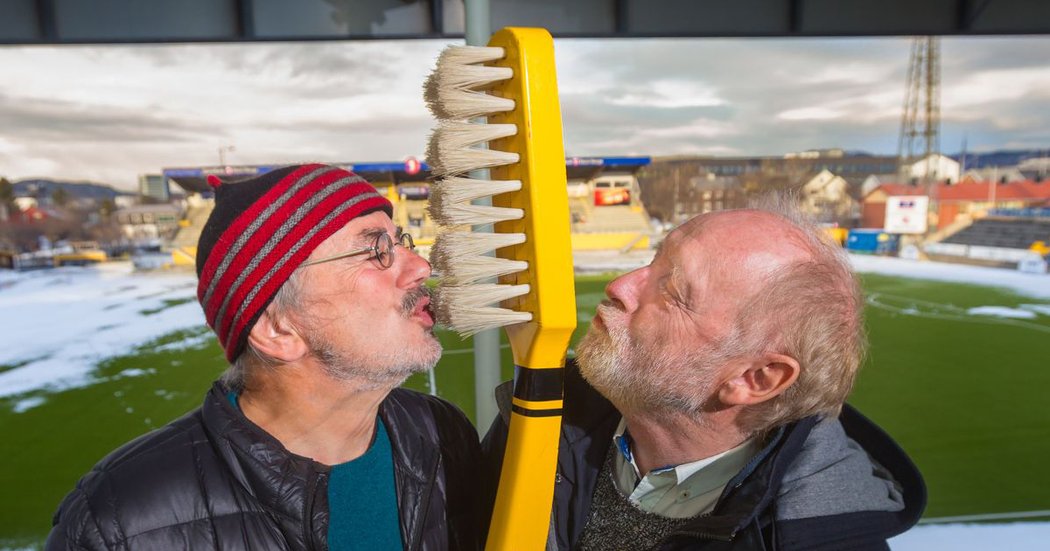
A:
(1033, 285)
(1043, 309)
(610, 261)
(1002, 312)
(59, 324)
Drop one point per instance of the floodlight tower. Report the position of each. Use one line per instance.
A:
(921, 117)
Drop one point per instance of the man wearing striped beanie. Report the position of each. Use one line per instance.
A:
(319, 303)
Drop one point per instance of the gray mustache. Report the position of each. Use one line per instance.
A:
(412, 298)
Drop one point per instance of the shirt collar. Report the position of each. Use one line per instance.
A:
(682, 472)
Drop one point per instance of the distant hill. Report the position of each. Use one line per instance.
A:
(77, 190)
(1008, 157)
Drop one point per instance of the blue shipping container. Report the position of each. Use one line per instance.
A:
(866, 241)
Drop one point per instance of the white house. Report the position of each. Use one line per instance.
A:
(147, 223)
(1035, 169)
(826, 197)
(873, 181)
(940, 168)
(25, 203)
(1001, 174)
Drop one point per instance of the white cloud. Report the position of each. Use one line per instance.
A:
(670, 94)
(987, 88)
(869, 107)
(699, 128)
(854, 73)
(810, 114)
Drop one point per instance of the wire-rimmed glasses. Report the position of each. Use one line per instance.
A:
(382, 250)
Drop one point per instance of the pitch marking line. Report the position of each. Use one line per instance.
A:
(946, 312)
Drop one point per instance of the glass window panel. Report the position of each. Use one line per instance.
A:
(18, 21)
(340, 18)
(1011, 16)
(877, 16)
(123, 20)
(705, 17)
(557, 16)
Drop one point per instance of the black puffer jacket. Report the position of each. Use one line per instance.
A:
(817, 485)
(214, 480)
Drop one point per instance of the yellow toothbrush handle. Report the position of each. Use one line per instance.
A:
(521, 517)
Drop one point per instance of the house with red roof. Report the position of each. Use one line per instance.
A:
(949, 201)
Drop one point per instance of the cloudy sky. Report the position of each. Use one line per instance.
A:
(110, 113)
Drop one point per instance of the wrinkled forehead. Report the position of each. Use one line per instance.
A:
(736, 250)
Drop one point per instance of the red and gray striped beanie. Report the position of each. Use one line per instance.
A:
(261, 230)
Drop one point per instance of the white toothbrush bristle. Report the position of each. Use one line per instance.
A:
(452, 103)
(477, 243)
(458, 214)
(472, 269)
(454, 90)
(470, 54)
(460, 257)
(468, 308)
(451, 149)
(464, 190)
(469, 321)
(459, 161)
(461, 77)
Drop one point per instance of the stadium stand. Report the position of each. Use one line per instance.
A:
(184, 245)
(1007, 233)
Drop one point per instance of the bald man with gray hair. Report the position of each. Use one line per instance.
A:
(706, 408)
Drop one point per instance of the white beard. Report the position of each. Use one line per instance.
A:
(378, 369)
(645, 381)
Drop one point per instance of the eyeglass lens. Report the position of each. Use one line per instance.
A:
(384, 248)
(406, 241)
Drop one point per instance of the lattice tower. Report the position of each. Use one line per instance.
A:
(921, 117)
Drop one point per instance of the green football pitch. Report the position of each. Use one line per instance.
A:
(965, 395)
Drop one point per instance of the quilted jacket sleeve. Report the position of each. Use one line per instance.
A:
(74, 526)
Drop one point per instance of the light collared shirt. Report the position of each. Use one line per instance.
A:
(677, 491)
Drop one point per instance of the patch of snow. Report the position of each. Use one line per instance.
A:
(134, 372)
(597, 262)
(166, 394)
(61, 323)
(1043, 309)
(1033, 285)
(27, 404)
(190, 342)
(1015, 536)
(1002, 312)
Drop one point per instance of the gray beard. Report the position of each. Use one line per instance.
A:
(339, 365)
(645, 381)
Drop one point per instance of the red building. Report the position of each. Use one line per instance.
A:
(949, 201)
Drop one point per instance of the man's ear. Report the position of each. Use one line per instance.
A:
(277, 338)
(764, 378)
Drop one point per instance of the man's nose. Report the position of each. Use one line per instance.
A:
(416, 269)
(623, 291)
